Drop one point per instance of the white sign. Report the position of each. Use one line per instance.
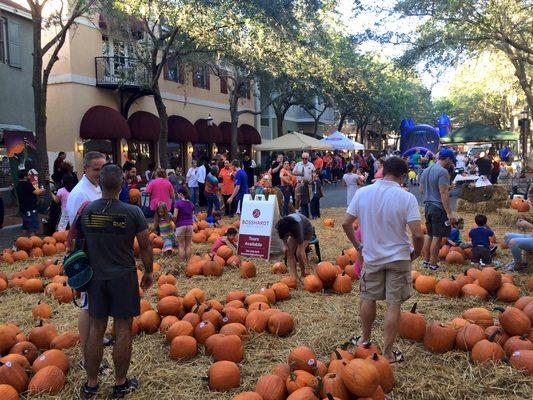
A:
(258, 220)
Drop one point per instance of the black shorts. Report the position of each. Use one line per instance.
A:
(435, 221)
(481, 253)
(117, 298)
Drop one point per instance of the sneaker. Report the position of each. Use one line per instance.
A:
(129, 386)
(88, 392)
(510, 266)
(426, 264)
(434, 267)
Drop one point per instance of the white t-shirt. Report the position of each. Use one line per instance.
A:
(82, 192)
(201, 173)
(192, 177)
(460, 161)
(307, 170)
(350, 179)
(384, 209)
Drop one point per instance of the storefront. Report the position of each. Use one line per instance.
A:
(181, 132)
(247, 136)
(145, 129)
(102, 129)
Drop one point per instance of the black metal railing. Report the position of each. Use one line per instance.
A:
(120, 71)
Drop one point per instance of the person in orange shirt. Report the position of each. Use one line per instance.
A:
(318, 163)
(326, 161)
(227, 186)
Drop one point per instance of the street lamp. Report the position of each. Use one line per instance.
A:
(523, 122)
(209, 120)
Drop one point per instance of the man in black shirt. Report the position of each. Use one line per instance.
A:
(27, 198)
(484, 166)
(276, 166)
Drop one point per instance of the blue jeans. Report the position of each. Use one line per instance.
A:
(287, 192)
(30, 221)
(520, 242)
(193, 191)
(212, 200)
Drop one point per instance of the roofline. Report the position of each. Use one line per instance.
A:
(24, 13)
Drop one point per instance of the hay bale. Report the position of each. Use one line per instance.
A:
(474, 194)
(508, 216)
(466, 206)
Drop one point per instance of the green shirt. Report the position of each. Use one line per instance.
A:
(416, 158)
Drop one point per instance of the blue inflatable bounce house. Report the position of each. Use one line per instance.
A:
(422, 136)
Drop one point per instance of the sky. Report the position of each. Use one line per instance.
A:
(366, 20)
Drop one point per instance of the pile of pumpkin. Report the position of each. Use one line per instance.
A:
(202, 233)
(213, 264)
(35, 363)
(476, 332)
(361, 372)
(191, 320)
(34, 246)
(472, 283)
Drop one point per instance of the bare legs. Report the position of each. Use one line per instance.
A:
(122, 349)
(83, 328)
(184, 250)
(431, 249)
(291, 257)
(367, 309)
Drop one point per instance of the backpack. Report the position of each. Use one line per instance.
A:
(76, 264)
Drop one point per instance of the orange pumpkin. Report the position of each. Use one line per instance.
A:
(439, 338)
(329, 223)
(313, 284)
(183, 348)
(247, 269)
(48, 380)
(224, 375)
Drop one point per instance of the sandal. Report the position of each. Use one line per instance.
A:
(398, 357)
(88, 392)
(129, 386)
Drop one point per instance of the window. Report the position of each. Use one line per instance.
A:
(265, 121)
(3, 41)
(200, 76)
(223, 85)
(173, 71)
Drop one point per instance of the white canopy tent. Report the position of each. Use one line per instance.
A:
(294, 141)
(340, 142)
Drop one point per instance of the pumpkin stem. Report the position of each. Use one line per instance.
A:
(375, 356)
(40, 323)
(367, 345)
(413, 309)
(524, 336)
(493, 336)
(345, 345)
(500, 309)
(453, 278)
(319, 387)
(329, 396)
(339, 357)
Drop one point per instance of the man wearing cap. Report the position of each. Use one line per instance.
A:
(303, 170)
(434, 186)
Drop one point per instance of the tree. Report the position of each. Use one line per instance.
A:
(58, 21)
(453, 28)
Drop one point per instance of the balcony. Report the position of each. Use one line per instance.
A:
(121, 72)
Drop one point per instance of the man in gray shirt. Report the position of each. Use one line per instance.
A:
(434, 186)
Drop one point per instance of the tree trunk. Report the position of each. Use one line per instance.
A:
(341, 122)
(234, 121)
(315, 127)
(163, 126)
(39, 99)
(279, 124)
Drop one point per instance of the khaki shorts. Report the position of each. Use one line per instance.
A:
(184, 231)
(390, 282)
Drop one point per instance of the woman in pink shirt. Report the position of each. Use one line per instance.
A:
(61, 197)
(160, 189)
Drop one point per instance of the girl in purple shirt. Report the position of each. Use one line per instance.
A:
(183, 218)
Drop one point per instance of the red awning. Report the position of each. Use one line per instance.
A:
(181, 130)
(250, 134)
(208, 134)
(144, 126)
(101, 122)
(225, 127)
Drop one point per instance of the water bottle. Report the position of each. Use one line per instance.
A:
(447, 222)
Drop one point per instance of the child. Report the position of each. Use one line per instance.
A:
(412, 177)
(263, 183)
(62, 197)
(455, 234)
(183, 216)
(317, 192)
(213, 219)
(164, 224)
(230, 240)
(480, 236)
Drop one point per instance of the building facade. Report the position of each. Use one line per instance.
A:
(97, 100)
(16, 93)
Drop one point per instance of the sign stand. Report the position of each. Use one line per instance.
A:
(257, 234)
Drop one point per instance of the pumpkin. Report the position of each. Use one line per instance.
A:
(149, 321)
(439, 338)
(468, 336)
(8, 338)
(166, 278)
(247, 269)
(212, 316)
(167, 322)
(193, 269)
(412, 326)
(8, 392)
(248, 396)
(233, 261)
(256, 298)
(333, 385)
(23, 243)
(26, 349)
(443, 252)
(65, 340)
(192, 298)
(514, 321)
(14, 375)
(269, 293)
(48, 380)
(517, 343)
(192, 318)
(448, 287)
(530, 283)
(20, 255)
(282, 370)
(523, 360)
(234, 328)
(290, 281)
(302, 358)
(256, 321)
(523, 207)
(523, 301)
(52, 270)
(180, 328)
(228, 348)
(49, 249)
(473, 273)
(342, 283)
(203, 330)
(454, 257)
(224, 375)
(425, 284)
(313, 284)
(8, 258)
(480, 316)
(53, 357)
(235, 295)
(487, 350)
(183, 348)
(457, 323)
(271, 387)
(36, 252)
(281, 290)
(144, 306)
(326, 272)
(329, 223)
(16, 358)
(230, 315)
(360, 377)
(501, 336)
(170, 305)
(63, 294)
(508, 292)
(33, 286)
(490, 279)
(42, 335)
(386, 376)
(281, 324)
(473, 290)
(198, 237)
(225, 252)
(3, 285)
(343, 260)
(528, 310)
(515, 202)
